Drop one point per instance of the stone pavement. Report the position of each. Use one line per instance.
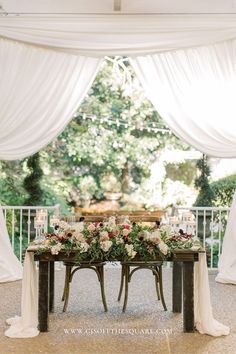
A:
(144, 329)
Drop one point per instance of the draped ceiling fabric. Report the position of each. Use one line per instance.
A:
(99, 35)
(194, 92)
(40, 89)
(47, 64)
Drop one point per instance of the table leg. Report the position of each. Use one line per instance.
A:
(51, 286)
(43, 296)
(188, 298)
(177, 287)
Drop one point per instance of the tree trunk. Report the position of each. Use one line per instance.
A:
(125, 179)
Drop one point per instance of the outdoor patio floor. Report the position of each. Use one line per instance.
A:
(144, 312)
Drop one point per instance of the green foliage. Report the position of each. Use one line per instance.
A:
(184, 172)
(97, 147)
(75, 164)
(223, 190)
(32, 181)
(205, 196)
(11, 189)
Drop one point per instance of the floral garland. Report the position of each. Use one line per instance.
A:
(110, 240)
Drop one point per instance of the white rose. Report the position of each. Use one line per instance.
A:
(125, 232)
(106, 245)
(146, 235)
(163, 248)
(119, 240)
(112, 222)
(78, 227)
(64, 225)
(155, 237)
(84, 247)
(130, 250)
(56, 248)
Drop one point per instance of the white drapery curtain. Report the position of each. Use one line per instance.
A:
(10, 267)
(194, 91)
(100, 35)
(193, 88)
(39, 92)
(227, 261)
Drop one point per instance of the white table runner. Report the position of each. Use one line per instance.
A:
(26, 325)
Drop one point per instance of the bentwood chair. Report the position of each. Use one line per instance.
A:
(73, 267)
(129, 268)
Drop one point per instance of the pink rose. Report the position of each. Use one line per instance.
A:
(91, 228)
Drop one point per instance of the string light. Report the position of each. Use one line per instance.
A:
(118, 122)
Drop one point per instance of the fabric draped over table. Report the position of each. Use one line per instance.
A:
(26, 325)
(10, 266)
(227, 261)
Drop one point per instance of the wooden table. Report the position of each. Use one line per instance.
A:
(183, 283)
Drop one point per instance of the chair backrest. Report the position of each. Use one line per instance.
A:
(134, 216)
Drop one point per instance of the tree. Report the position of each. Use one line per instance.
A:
(116, 133)
(32, 181)
(108, 147)
(205, 195)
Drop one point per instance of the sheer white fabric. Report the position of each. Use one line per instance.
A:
(227, 261)
(204, 320)
(101, 35)
(26, 326)
(39, 92)
(10, 266)
(194, 91)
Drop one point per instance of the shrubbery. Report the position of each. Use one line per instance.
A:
(223, 190)
(205, 196)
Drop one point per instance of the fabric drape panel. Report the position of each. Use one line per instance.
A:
(227, 261)
(39, 92)
(121, 34)
(194, 91)
(10, 267)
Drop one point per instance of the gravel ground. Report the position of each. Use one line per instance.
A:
(86, 329)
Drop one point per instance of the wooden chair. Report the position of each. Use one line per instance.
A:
(73, 267)
(129, 268)
(126, 271)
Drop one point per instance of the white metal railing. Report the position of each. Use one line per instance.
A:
(20, 224)
(207, 223)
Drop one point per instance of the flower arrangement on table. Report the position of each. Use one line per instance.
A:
(109, 240)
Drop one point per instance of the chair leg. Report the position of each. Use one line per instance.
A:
(121, 282)
(67, 288)
(161, 289)
(67, 276)
(100, 270)
(157, 286)
(126, 286)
